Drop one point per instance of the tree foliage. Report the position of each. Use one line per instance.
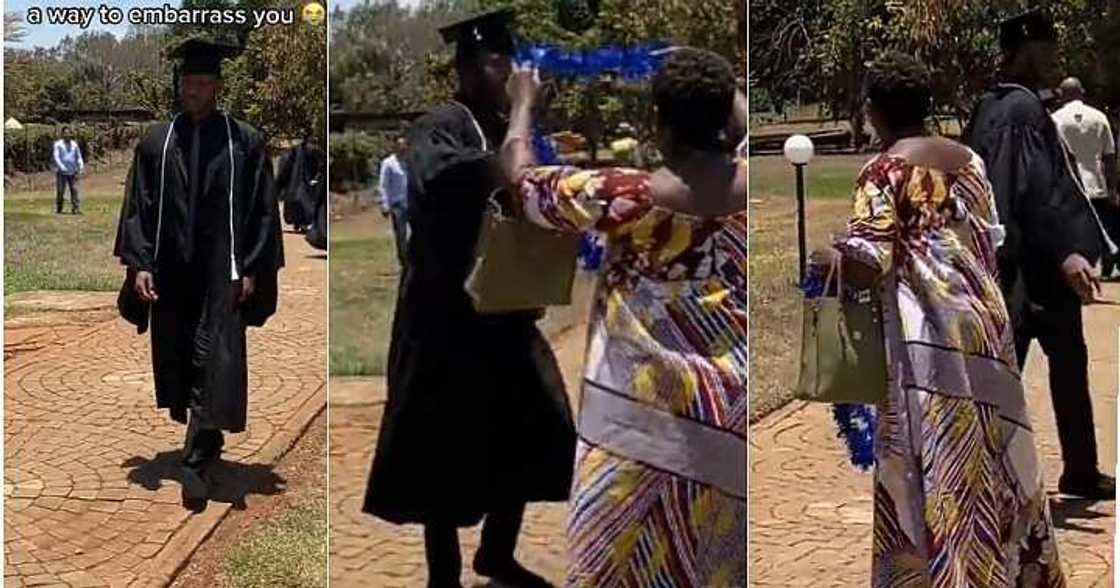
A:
(388, 58)
(817, 50)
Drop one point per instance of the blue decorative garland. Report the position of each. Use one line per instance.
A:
(855, 423)
(633, 64)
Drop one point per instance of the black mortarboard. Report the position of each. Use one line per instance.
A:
(199, 56)
(1025, 28)
(486, 32)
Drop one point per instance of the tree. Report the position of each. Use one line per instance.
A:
(819, 49)
(279, 82)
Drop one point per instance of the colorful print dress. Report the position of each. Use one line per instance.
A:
(959, 499)
(659, 496)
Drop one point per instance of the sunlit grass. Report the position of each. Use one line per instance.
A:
(363, 294)
(775, 302)
(47, 251)
(288, 553)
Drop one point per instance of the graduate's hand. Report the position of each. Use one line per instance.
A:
(145, 286)
(248, 286)
(1082, 277)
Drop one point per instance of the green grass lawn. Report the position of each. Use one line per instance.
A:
(290, 553)
(363, 294)
(45, 251)
(774, 298)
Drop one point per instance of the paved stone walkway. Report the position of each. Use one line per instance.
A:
(369, 552)
(811, 512)
(90, 476)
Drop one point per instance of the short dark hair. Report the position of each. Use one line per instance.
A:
(898, 86)
(694, 90)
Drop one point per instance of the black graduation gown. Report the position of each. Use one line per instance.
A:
(477, 416)
(1038, 197)
(198, 330)
(299, 170)
(317, 236)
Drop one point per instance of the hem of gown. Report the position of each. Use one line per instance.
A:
(419, 517)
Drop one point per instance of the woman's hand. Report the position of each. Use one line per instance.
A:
(524, 86)
(824, 258)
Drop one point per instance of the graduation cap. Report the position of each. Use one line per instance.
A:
(488, 32)
(199, 56)
(1025, 28)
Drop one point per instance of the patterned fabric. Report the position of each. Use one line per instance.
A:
(959, 499)
(660, 499)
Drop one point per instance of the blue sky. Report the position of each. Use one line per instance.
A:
(346, 4)
(45, 35)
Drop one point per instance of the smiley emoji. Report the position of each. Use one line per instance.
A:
(314, 14)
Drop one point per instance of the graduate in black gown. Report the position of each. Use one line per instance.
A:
(301, 170)
(477, 421)
(1053, 237)
(199, 234)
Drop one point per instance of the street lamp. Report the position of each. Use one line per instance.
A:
(798, 150)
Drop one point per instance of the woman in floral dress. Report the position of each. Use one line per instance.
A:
(660, 488)
(958, 495)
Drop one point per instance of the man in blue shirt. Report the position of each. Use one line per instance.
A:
(68, 163)
(393, 186)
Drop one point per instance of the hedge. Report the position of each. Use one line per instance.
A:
(354, 158)
(29, 149)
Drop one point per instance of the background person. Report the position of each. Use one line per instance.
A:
(392, 185)
(1046, 265)
(1088, 134)
(68, 164)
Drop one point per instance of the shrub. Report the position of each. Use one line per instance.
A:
(29, 149)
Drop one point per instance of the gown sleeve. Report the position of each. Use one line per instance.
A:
(872, 227)
(1033, 197)
(441, 163)
(263, 246)
(136, 230)
(572, 200)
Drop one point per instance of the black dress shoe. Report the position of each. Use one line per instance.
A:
(1094, 487)
(195, 485)
(509, 574)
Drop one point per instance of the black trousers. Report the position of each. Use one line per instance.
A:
(1059, 331)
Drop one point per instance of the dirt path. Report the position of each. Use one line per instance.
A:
(91, 490)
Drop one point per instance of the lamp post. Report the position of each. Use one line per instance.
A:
(798, 150)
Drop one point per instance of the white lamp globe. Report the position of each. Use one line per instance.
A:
(798, 149)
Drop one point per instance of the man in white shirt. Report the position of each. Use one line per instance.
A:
(68, 163)
(393, 186)
(1089, 136)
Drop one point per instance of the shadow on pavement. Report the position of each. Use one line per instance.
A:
(1066, 513)
(231, 482)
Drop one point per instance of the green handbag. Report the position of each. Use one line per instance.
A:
(520, 266)
(843, 355)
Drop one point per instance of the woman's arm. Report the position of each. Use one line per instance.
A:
(740, 113)
(516, 154)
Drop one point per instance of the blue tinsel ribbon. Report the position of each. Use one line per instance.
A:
(632, 63)
(855, 423)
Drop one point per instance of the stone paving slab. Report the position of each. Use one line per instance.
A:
(90, 474)
(365, 551)
(811, 512)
